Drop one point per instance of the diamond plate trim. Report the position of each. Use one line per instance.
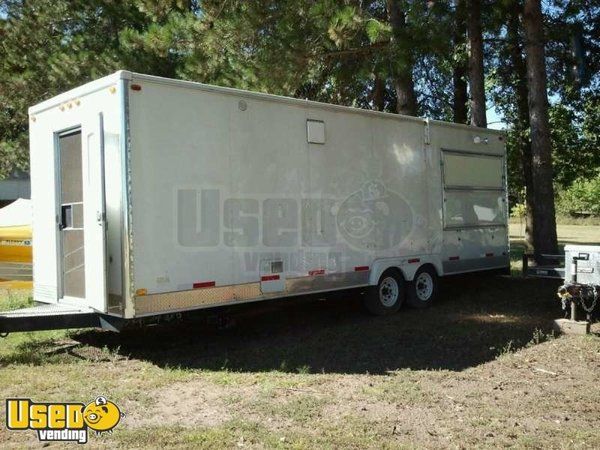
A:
(219, 296)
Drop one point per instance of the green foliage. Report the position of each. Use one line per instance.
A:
(574, 114)
(518, 210)
(323, 50)
(583, 196)
(515, 137)
(377, 31)
(47, 47)
(575, 137)
(13, 155)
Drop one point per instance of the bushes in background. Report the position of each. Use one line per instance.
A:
(581, 198)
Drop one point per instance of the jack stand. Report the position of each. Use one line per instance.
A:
(572, 326)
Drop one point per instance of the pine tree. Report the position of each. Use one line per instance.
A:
(476, 66)
(48, 47)
(460, 93)
(544, 217)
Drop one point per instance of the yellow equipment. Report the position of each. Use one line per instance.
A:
(15, 244)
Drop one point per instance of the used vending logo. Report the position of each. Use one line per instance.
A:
(372, 218)
(62, 421)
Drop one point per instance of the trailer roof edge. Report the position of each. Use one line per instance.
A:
(113, 78)
(464, 126)
(273, 97)
(299, 101)
(80, 91)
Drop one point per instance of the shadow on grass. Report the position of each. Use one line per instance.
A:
(475, 319)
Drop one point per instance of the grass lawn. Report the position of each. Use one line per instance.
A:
(480, 369)
(567, 234)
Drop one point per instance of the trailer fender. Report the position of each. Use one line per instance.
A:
(408, 265)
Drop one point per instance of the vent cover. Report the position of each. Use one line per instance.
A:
(315, 130)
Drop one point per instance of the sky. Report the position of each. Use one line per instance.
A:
(495, 121)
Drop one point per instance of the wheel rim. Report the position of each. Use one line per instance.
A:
(389, 292)
(424, 286)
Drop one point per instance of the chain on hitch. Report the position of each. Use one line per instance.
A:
(585, 296)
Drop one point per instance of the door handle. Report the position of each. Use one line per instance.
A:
(66, 217)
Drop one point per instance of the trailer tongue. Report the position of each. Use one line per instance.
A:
(55, 317)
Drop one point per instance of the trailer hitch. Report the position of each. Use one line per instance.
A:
(576, 294)
(583, 295)
(55, 317)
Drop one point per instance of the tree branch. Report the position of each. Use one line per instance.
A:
(354, 51)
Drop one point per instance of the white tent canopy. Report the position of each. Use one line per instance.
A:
(18, 213)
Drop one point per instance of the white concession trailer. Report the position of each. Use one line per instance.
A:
(154, 196)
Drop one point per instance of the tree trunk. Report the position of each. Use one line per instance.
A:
(544, 219)
(378, 94)
(402, 60)
(460, 98)
(476, 71)
(521, 127)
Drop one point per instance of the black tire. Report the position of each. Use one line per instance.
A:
(387, 297)
(423, 289)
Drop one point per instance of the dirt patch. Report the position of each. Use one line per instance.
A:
(541, 394)
(187, 404)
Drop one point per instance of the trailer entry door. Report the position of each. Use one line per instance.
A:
(71, 224)
(82, 215)
(94, 213)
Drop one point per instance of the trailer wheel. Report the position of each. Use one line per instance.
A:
(423, 289)
(387, 297)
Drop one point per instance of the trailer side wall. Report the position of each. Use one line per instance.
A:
(231, 202)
